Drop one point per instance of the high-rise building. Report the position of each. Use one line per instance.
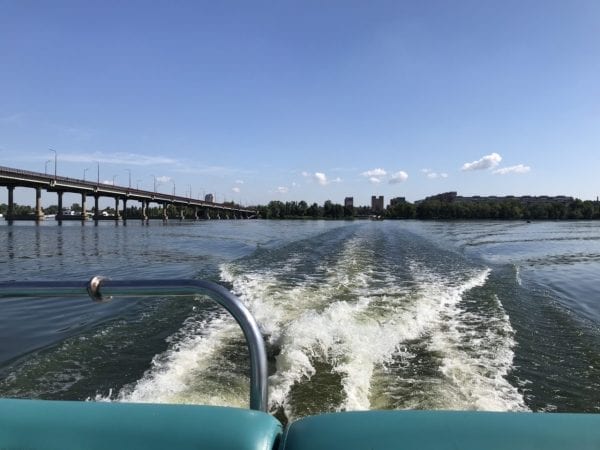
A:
(349, 202)
(209, 198)
(377, 203)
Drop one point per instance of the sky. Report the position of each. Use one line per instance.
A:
(305, 100)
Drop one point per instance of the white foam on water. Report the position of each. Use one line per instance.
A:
(518, 275)
(310, 323)
(355, 315)
(476, 347)
(176, 376)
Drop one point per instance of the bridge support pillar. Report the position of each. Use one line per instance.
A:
(207, 214)
(116, 208)
(218, 216)
(11, 202)
(164, 211)
(96, 207)
(196, 214)
(124, 210)
(39, 214)
(182, 213)
(83, 207)
(59, 214)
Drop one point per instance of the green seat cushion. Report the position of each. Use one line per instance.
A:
(60, 425)
(444, 430)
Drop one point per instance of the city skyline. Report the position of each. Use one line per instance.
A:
(307, 102)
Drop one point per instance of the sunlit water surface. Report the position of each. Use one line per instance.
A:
(356, 315)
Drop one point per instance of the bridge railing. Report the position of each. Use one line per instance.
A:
(49, 178)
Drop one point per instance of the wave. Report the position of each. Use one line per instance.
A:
(337, 332)
(475, 342)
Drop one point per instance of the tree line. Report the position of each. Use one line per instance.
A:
(435, 209)
(132, 211)
(430, 209)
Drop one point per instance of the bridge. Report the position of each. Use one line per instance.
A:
(12, 178)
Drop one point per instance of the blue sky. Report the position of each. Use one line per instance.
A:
(311, 100)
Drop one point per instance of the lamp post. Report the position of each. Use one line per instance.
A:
(137, 184)
(55, 160)
(98, 182)
(114, 176)
(129, 171)
(154, 176)
(173, 187)
(190, 197)
(46, 166)
(84, 171)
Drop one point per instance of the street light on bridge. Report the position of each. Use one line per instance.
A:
(114, 176)
(46, 166)
(129, 177)
(84, 171)
(173, 187)
(154, 176)
(55, 160)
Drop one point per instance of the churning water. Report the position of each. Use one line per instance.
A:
(356, 315)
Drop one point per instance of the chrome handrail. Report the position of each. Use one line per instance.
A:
(103, 289)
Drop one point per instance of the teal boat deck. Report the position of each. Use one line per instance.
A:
(64, 425)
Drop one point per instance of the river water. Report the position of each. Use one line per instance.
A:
(356, 315)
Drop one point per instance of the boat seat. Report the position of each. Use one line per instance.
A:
(444, 430)
(65, 425)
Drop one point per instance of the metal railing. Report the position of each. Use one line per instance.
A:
(102, 289)
(116, 189)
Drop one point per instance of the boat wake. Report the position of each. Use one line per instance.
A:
(347, 330)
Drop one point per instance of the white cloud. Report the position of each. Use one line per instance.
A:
(111, 182)
(320, 178)
(519, 168)
(239, 181)
(433, 175)
(486, 162)
(374, 180)
(398, 177)
(163, 179)
(294, 184)
(235, 189)
(374, 173)
(282, 190)
(131, 159)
